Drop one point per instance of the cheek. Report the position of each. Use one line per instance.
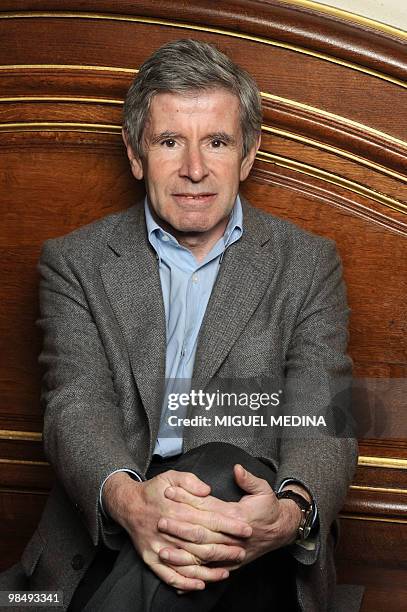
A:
(161, 175)
(230, 178)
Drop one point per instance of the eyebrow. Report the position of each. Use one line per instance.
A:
(156, 138)
(222, 136)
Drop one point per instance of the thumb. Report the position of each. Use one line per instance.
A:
(250, 483)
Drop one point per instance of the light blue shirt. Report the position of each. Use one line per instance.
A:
(186, 288)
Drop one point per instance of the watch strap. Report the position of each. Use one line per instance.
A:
(306, 508)
(303, 503)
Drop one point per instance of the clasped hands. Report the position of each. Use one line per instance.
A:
(187, 536)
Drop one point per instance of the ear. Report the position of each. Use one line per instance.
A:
(135, 162)
(248, 161)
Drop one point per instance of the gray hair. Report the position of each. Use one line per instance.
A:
(185, 66)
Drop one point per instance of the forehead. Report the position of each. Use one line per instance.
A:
(215, 107)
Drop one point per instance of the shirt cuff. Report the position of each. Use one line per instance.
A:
(131, 472)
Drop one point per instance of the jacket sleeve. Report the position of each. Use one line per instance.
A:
(318, 374)
(83, 428)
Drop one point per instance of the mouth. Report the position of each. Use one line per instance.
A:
(194, 197)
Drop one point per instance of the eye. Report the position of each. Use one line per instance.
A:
(168, 142)
(217, 143)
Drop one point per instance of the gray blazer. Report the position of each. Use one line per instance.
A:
(278, 307)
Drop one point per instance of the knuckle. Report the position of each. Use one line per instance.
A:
(156, 546)
(211, 552)
(170, 514)
(199, 535)
(171, 581)
(194, 572)
(190, 480)
(186, 477)
(235, 511)
(183, 583)
(235, 514)
(217, 574)
(215, 522)
(199, 502)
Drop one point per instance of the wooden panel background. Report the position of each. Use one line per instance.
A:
(333, 160)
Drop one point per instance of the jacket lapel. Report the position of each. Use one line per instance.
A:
(132, 283)
(243, 278)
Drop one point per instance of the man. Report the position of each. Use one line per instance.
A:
(195, 284)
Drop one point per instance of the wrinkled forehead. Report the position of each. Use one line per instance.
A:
(216, 108)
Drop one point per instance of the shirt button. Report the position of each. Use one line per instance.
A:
(165, 238)
(78, 562)
(195, 278)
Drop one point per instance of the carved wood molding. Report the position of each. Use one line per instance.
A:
(333, 192)
(389, 504)
(295, 26)
(336, 132)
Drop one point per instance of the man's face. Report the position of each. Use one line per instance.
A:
(192, 162)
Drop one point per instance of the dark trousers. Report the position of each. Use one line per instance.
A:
(121, 581)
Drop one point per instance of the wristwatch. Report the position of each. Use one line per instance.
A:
(306, 508)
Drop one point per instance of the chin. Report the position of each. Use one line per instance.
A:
(193, 224)
(193, 228)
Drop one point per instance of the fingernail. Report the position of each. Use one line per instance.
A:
(241, 556)
(162, 523)
(169, 492)
(201, 586)
(225, 574)
(247, 531)
(164, 554)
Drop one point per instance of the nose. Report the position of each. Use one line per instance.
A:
(193, 164)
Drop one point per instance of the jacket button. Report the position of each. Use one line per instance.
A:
(78, 562)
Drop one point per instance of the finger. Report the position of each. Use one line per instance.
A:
(176, 580)
(214, 521)
(214, 553)
(250, 483)
(188, 481)
(208, 574)
(178, 556)
(208, 503)
(177, 545)
(180, 494)
(182, 530)
(178, 559)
